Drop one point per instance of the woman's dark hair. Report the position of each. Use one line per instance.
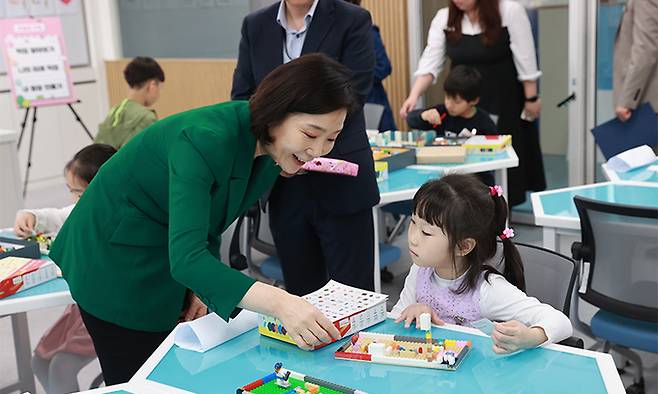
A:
(141, 70)
(488, 17)
(463, 81)
(88, 160)
(463, 207)
(310, 84)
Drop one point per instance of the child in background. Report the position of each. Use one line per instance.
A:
(66, 347)
(452, 235)
(144, 77)
(462, 93)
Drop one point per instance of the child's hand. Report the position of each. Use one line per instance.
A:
(431, 116)
(508, 337)
(413, 312)
(24, 225)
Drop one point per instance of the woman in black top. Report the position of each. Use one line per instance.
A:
(494, 37)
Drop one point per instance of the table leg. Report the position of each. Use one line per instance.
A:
(550, 238)
(376, 274)
(501, 179)
(23, 351)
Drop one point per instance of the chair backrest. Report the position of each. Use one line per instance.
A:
(619, 249)
(549, 276)
(373, 114)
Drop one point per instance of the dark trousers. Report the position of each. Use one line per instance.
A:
(315, 245)
(121, 351)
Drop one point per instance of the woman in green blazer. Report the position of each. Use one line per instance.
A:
(148, 227)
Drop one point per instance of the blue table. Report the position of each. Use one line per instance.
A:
(556, 211)
(641, 174)
(403, 184)
(554, 369)
(46, 295)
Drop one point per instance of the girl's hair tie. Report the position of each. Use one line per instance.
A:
(496, 191)
(507, 233)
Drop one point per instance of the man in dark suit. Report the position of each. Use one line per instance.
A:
(322, 224)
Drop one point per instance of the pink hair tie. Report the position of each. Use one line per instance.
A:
(507, 233)
(496, 191)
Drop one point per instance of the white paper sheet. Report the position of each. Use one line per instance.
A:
(632, 158)
(211, 330)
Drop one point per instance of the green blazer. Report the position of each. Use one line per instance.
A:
(149, 224)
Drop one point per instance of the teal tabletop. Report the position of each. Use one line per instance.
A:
(53, 286)
(405, 179)
(560, 202)
(249, 357)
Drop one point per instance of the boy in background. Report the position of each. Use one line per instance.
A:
(144, 77)
(459, 111)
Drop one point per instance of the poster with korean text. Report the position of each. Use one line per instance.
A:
(37, 65)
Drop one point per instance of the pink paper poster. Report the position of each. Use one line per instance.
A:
(37, 65)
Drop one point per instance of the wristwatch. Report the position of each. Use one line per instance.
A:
(532, 99)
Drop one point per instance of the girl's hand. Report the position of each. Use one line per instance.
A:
(508, 337)
(305, 324)
(24, 224)
(408, 106)
(431, 116)
(196, 308)
(532, 109)
(413, 312)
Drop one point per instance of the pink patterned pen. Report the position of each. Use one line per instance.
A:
(332, 166)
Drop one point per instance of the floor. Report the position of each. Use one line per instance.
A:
(41, 320)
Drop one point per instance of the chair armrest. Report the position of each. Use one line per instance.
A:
(573, 342)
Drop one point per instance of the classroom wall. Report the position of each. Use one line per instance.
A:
(391, 17)
(189, 83)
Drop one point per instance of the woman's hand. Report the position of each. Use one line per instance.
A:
(408, 106)
(623, 113)
(305, 324)
(413, 312)
(508, 337)
(431, 116)
(196, 308)
(532, 109)
(25, 224)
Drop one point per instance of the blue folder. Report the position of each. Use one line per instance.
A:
(615, 136)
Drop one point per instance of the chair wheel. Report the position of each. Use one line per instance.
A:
(636, 388)
(621, 371)
(386, 276)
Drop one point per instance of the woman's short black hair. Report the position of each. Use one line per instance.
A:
(463, 81)
(310, 84)
(141, 70)
(88, 160)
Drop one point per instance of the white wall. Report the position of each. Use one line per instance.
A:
(58, 136)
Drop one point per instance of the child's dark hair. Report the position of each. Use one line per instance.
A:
(141, 70)
(464, 207)
(463, 81)
(88, 160)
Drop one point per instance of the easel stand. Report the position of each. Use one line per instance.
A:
(34, 123)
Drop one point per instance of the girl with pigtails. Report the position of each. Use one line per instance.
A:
(453, 235)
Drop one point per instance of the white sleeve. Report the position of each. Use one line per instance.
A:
(434, 56)
(502, 301)
(521, 42)
(50, 220)
(408, 294)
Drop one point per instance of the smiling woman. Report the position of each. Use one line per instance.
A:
(143, 241)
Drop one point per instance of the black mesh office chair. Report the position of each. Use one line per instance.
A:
(550, 277)
(619, 275)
